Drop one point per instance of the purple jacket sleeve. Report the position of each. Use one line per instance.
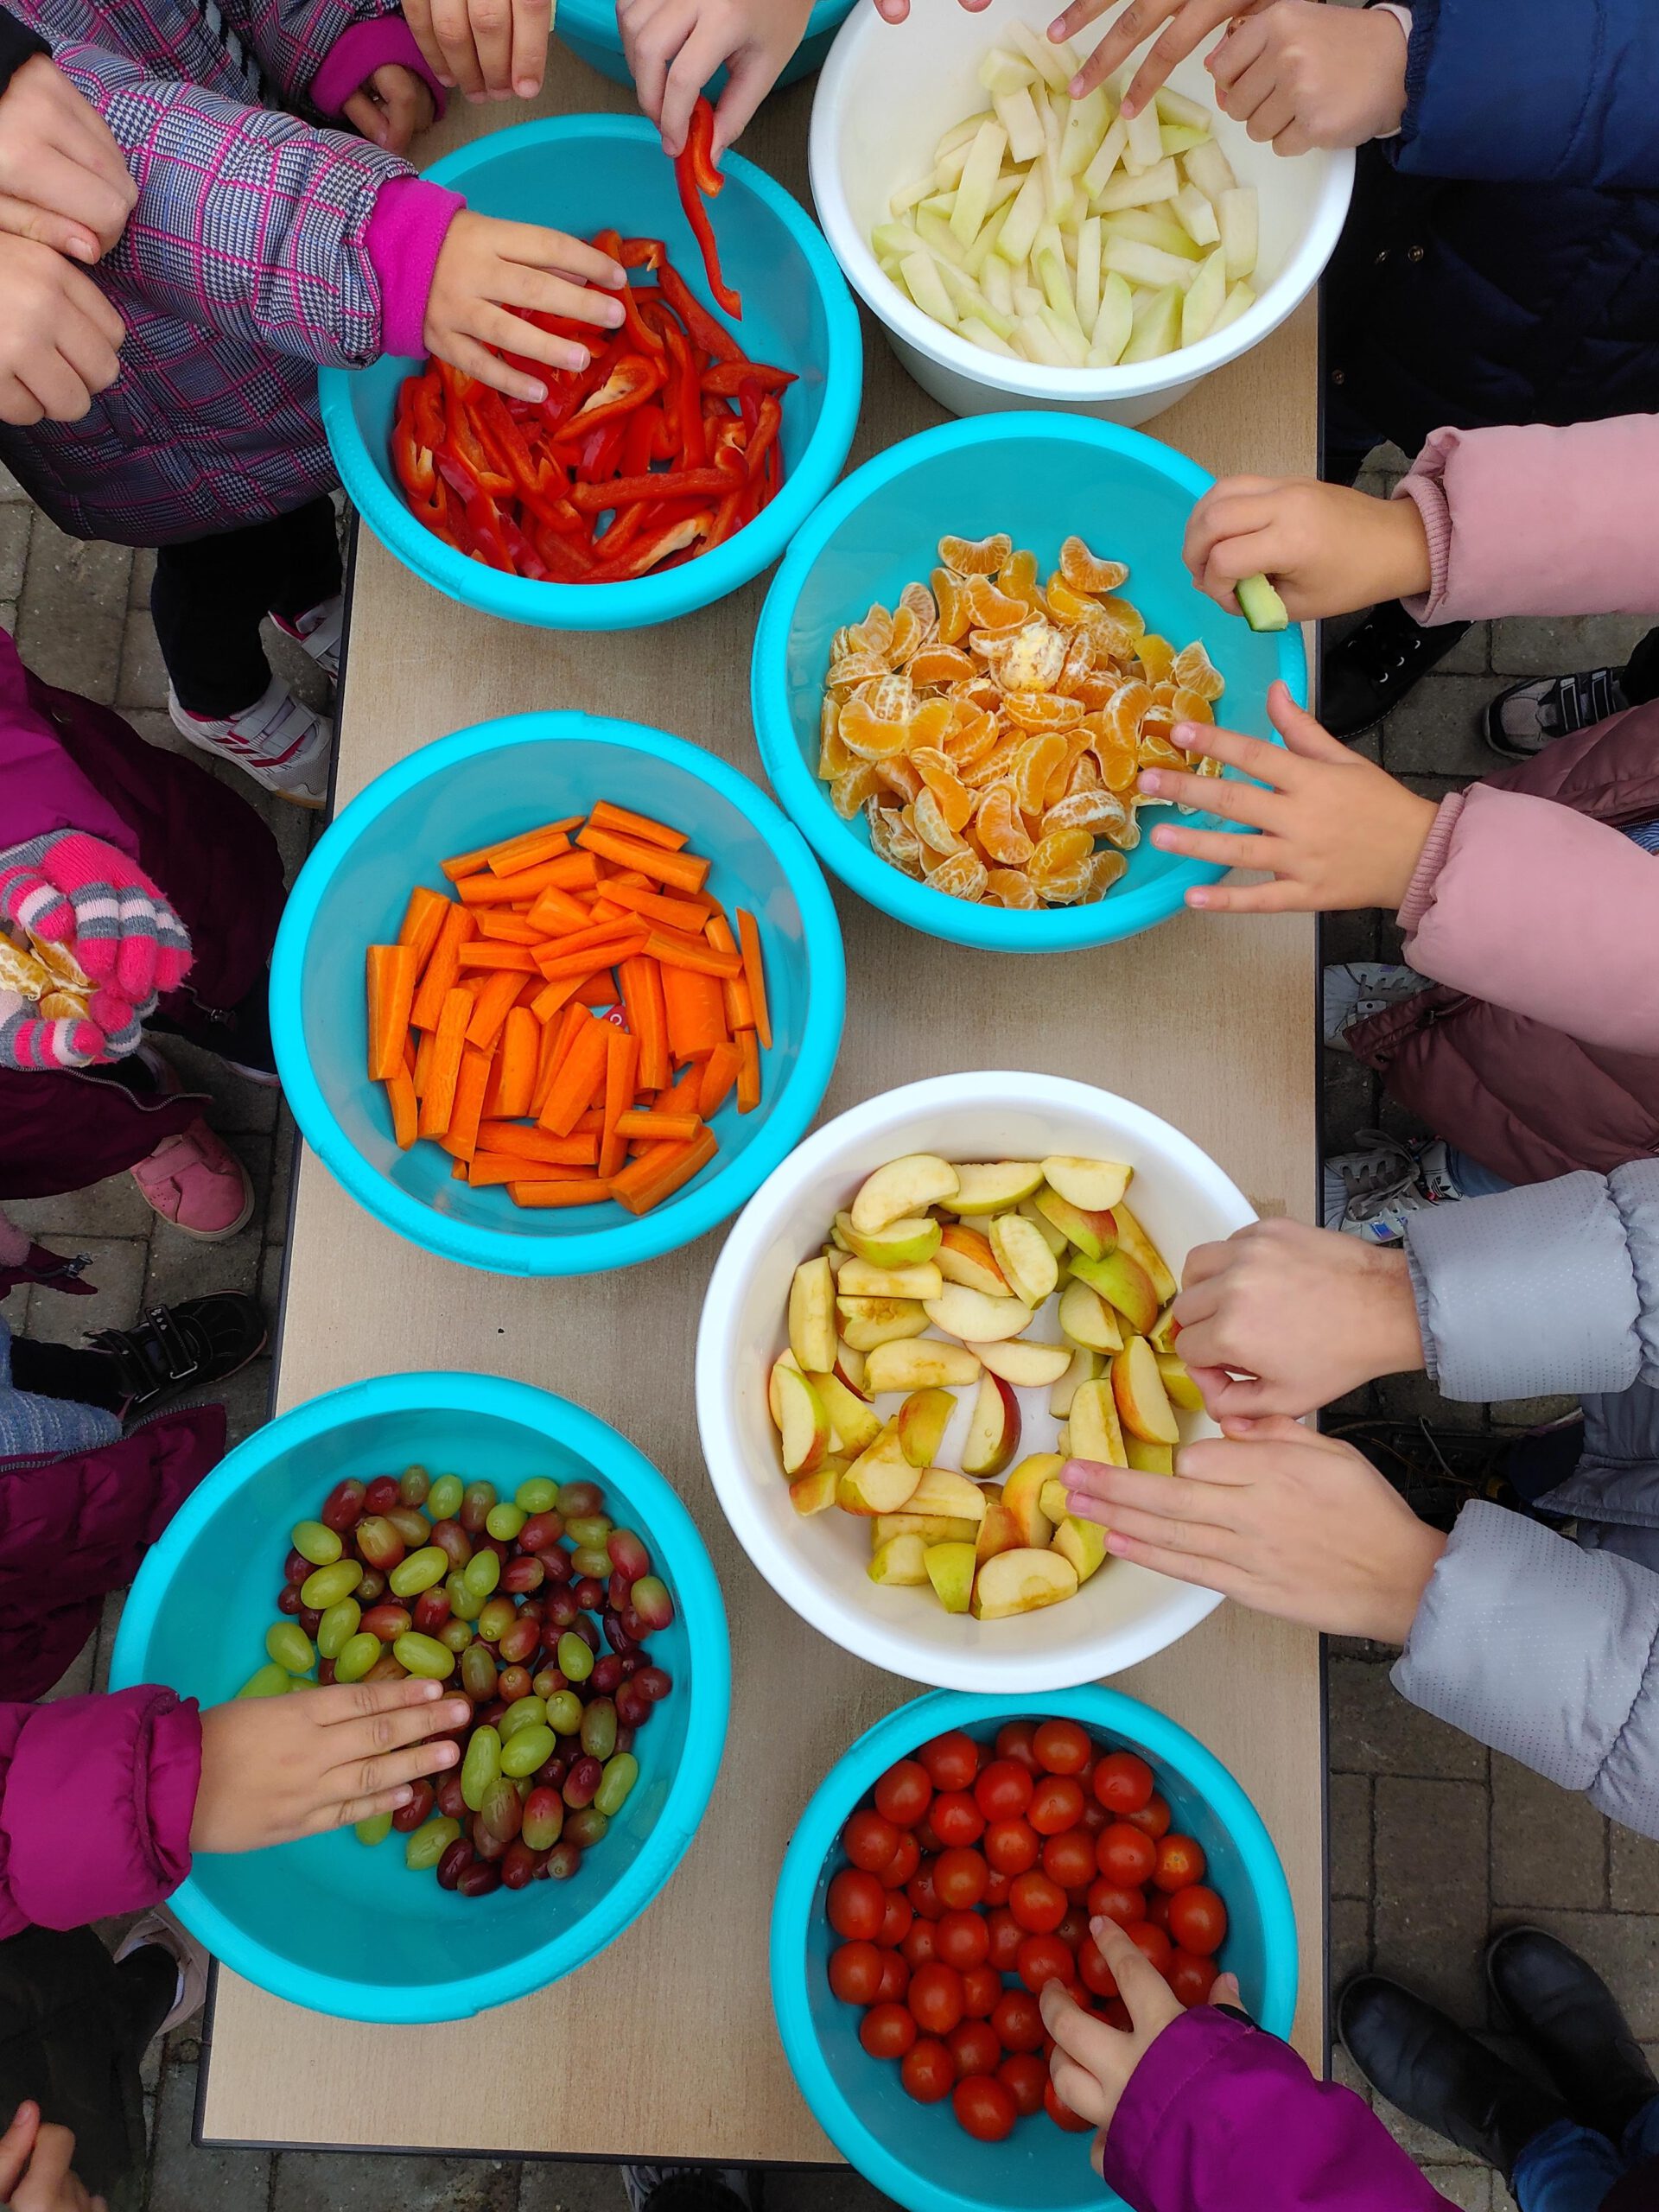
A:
(96, 1799)
(41, 788)
(306, 48)
(1219, 2117)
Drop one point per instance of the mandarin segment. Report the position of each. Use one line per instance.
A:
(976, 557)
(1155, 655)
(848, 791)
(874, 633)
(936, 664)
(1001, 829)
(1085, 571)
(962, 876)
(1011, 886)
(892, 839)
(1094, 812)
(952, 595)
(1038, 710)
(994, 609)
(955, 801)
(1193, 667)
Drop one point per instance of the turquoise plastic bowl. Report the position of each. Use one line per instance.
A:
(917, 2153)
(1041, 477)
(466, 791)
(326, 1922)
(583, 173)
(588, 28)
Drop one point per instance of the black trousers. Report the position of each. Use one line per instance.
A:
(210, 596)
(71, 1372)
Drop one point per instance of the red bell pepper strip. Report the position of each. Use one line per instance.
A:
(642, 253)
(671, 484)
(698, 180)
(675, 535)
(724, 379)
(631, 381)
(461, 444)
(766, 432)
(684, 403)
(647, 340)
(641, 439)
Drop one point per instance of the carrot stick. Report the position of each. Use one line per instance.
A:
(438, 1100)
(422, 919)
(520, 1041)
(422, 1066)
(490, 1168)
(674, 950)
(541, 845)
(748, 1073)
(438, 977)
(657, 1175)
(695, 1013)
(740, 1007)
(485, 889)
(546, 1061)
(673, 913)
(468, 863)
(391, 969)
(680, 870)
(585, 1190)
(607, 817)
(621, 1067)
(579, 1150)
(748, 932)
(496, 994)
(573, 1084)
(556, 912)
(609, 945)
(642, 1000)
(460, 1139)
(405, 1108)
(547, 1002)
(642, 1121)
(719, 1073)
(600, 990)
(516, 957)
(506, 927)
(571, 942)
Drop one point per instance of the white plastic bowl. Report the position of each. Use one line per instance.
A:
(886, 95)
(820, 1566)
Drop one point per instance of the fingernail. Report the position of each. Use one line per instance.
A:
(83, 249)
(449, 82)
(536, 394)
(1075, 88)
(579, 359)
(475, 99)
(527, 87)
(1198, 896)
(1150, 782)
(1129, 109)
(402, 1795)
(1114, 1542)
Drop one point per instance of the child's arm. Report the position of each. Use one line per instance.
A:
(674, 46)
(62, 180)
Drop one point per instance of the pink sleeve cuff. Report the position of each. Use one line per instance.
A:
(1419, 892)
(354, 57)
(406, 231)
(1424, 486)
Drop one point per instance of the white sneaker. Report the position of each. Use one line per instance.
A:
(1357, 989)
(642, 2182)
(1372, 1192)
(161, 1929)
(319, 634)
(282, 744)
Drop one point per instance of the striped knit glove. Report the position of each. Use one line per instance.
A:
(76, 891)
(34, 1047)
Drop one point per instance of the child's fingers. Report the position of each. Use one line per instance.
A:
(365, 117)
(377, 1716)
(693, 66)
(492, 26)
(750, 77)
(893, 11)
(1192, 24)
(652, 36)
(1307, 738)
(476, 360)
(392, 1771)
(1267, 764)
(1242, 503)
(532, 20)
(1242, 47)
(1274, 115)
(417, 14)
(1249, 92)
(1245, 802)
(1217, 847)
(346, 1812)
(1137, 22)
(16, 2144)
(1280, 896)
(452, 29)
(534, 246)
(1078, 2090)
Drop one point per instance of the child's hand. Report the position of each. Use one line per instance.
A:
(35, 2173)
(493, 47)
(274, 1767)
(674, 46)
(1327, 549)
(485, 269)
(1300, 1314)
(1337, 830)
(59, 336)
(1303, 74)
(1190, 22)
(1287, 1521)
(63, 179)
(391, 107)
(1090, 2063)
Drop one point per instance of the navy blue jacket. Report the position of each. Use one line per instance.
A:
(1502, 260)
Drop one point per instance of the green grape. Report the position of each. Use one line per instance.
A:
(522, 1714)
(589, 1531)
(338, 1626)
(357, 1654)
(564, 1713)
(443, 1499)
(427, 1844)
(268, 1681)
(423, 1655)
(539, 1494)
(312, 1541)
(375, 1829)
(592, 1559)
(504, 1522)
(326, 1585)
(481, 1768)
(619, 1775)
(456, 1634)
(599, 1729)
(527, 1749)
(575, 1660)
(418, 1571)
(496, 1618)
(481, 1573)
(414, 1486)
(464, 1603)
(290, 1647)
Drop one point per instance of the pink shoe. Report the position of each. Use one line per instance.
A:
(196, 1182)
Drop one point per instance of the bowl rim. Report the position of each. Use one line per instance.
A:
(646, 599)
(787, 1566)
(703, 1608)
(896, 1734)
(688, 1214)
(595, 20)
(1034, 380)
(1121, 913)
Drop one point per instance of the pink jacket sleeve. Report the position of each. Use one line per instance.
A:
(96, 1799)
(1530, 905)
(1532, 520)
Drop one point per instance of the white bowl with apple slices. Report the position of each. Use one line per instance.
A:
(888, 92)
(820, 1563)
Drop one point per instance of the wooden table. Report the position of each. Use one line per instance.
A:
(1212, 1024)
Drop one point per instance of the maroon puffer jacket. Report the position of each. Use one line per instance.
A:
(1524, 1099)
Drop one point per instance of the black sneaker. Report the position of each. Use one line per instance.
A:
(1436, 1471)
(1566, 2013)
(189, 1346)
(1523, 720)
(238, 1035)
(1370, 672)
(1438, 2074)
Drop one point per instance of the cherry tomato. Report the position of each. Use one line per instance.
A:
(855, 1973)
(855, 1905)
(1044, 1958)
(1056, 1805)
(1180, 1862)
(1116, 2014)
(1154, 1942)
(919, 1890)
(903, 1864)
(996, 1888)
(1124, 1855)
(956, 1818)
(1190, 1977)
(895, 1977)
(929, 2072)
(1013, 1742)
(951, 1760)
(1061, 1747)
(918, 1947)
(1023, 2074)
(1153, 1817)
(981, 1986)
(1003, 1789)
(935, 1998)
(1198, 1920)
(1158, 1909)
(896, 1917)
(1123, 1782)
(926, 1842)
(1012, 1846)
(984, 2107)
(1074, 1928)
(1093, 1972)
(1018, 2020)
(975, 2047)
(958, 1881)
(964, 1940)
(1007, 1936)
(869, 1840)
(887, 2030)
(1036, 1903)
(1095, 1816)
(1109, 1900)
(1069, 1859)
(904, 1793)
(1062, 2114)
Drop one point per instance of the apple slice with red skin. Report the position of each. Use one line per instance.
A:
(994, 1430)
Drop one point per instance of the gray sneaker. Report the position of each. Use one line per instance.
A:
(1355, 989)
(1521, 721)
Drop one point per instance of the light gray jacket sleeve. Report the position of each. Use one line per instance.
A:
(1547, 1653)
(1551, 1287)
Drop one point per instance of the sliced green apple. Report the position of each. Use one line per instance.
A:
(1096, 1432)
(920, 1363)
(1092, 1185)
(1135, 1242)
(851, 1415)
(932, 1528)
(774, 1403)
(812, 1316)
(1022, 1495)
(1087, 1319)
(1022, 1254)
(1021, 1582)
(951, 1571)
(804, 1425)
(1124, 1283)
(998, 1532)
(901, 1559)
(881, 1480)
(1028, 1366)
(994, 1186)
(973, 1317)
(850, 1366)
(1142, 1401)
(816, 1493)
(993, 1429)
(1164, 1330)
(906, 1244)
(1094, 1235)
(1182, 1390)
(951, 1497)
(1085, 1365)
(923, 1420)
(866, 1323)
(1082, 1544)
(965, 1256)
(863, 1279)
(1055, 1237)
(903, 1187)
(1149, 1458)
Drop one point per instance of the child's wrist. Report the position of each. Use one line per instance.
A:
(1410, 568)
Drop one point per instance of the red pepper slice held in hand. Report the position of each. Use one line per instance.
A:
(698, 180)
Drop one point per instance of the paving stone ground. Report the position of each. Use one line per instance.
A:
(1433, 1840)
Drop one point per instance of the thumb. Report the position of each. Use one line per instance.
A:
(748, 82)
(1225, 1991)
(361, 112)
(1301, 733)
(25, 220)
(17, 2144)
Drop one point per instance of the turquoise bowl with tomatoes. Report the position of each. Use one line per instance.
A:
(920, 2153)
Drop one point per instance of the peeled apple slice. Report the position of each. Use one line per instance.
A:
(1261, 604)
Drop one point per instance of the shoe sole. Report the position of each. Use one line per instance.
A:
(291, 799)
(210, 1235)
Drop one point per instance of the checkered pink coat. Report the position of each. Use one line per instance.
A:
(244, 265)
